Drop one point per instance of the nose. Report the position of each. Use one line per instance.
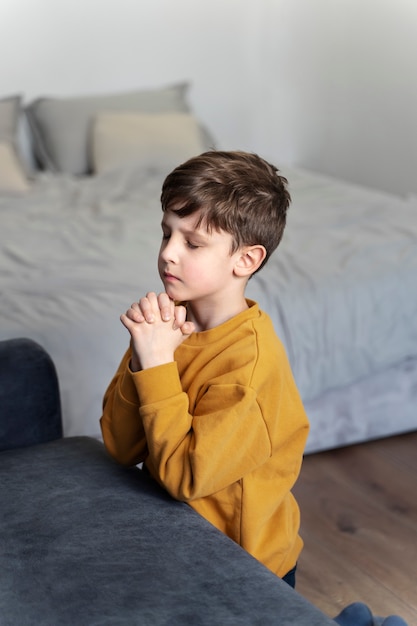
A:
(169, 250)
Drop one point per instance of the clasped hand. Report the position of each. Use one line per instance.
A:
(157, 327)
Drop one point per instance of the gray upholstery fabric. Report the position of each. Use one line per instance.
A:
(85, 541)
(30, 409)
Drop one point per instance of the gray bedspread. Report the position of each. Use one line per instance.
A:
(74, 254)
(342, 289)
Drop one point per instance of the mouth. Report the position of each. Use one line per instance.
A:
(170, 277)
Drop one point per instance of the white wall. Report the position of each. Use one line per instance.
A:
(326, 84)
(340, 87)
(86, 46)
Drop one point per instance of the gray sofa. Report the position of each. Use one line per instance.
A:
(87, 542)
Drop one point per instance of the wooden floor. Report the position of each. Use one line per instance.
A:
(359, 524)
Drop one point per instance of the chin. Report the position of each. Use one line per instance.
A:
(171, 292)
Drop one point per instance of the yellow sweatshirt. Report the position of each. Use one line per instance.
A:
(221, 428)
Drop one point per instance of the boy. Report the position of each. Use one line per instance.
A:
(204, 396)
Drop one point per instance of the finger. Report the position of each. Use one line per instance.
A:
(134, 313)
(180, 313)
(187, 328)
(166, 306)
(126, 321)
(147, 307)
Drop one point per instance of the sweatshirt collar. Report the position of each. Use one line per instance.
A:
(218, 332)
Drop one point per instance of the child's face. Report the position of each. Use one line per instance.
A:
(194, 264)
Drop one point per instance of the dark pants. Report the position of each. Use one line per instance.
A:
(289, 577)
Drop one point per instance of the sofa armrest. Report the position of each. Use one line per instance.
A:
(30, 406)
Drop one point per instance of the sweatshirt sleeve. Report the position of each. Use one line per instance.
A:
(121, 424)
(196, 455)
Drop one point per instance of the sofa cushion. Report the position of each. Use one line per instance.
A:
(86, 541)
(30, 408)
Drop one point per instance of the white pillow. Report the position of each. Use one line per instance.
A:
(156, 142)
(12, 177)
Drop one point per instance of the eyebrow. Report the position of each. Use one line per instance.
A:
(188, 232)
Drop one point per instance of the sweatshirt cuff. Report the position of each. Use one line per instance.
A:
(157, 383)
(127, 386)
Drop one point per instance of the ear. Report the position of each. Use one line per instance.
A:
(248, 261)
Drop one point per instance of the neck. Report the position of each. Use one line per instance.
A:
(206, 315)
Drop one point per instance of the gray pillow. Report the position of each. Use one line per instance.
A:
(9, 115)
(62, 126)
(12, 175)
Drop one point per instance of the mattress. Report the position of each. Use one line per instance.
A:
(341, 289)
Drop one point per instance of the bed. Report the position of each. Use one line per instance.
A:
(80, 231)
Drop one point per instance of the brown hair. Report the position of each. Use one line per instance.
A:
(237, 192)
